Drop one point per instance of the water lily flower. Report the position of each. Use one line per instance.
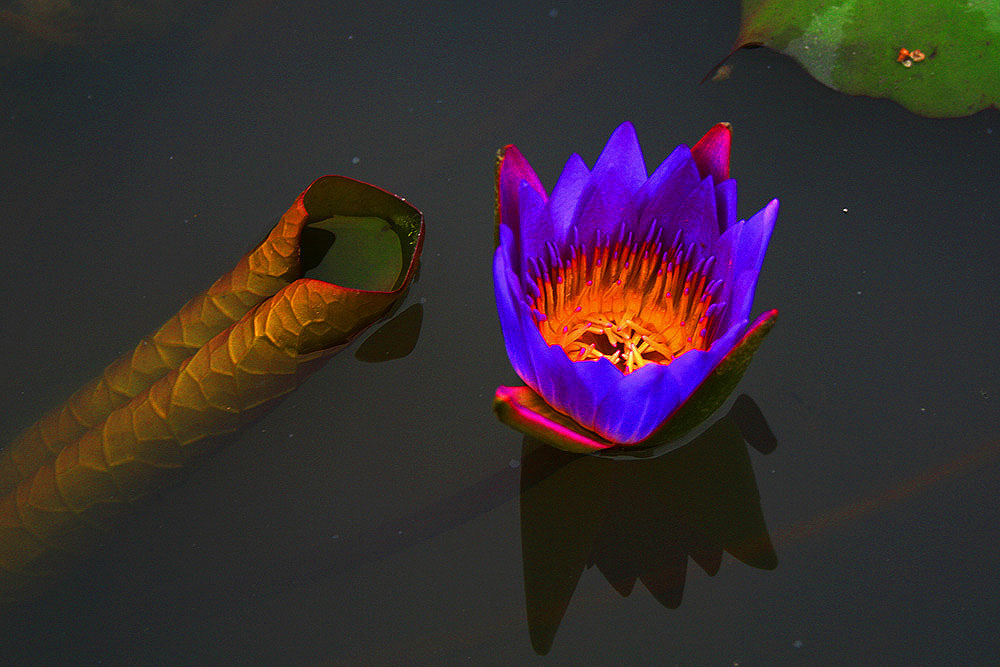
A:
(623, 292)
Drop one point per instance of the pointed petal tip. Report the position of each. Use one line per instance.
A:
(622, 155)
(767, 318)
(513, 167)
(765, 218)
(626, 127)
(509, 157)
(625, 131)
(721, 126)
(711, 153)
(510, 150)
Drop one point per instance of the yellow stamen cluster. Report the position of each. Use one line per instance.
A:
(629, 303)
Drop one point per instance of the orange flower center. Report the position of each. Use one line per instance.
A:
(633, 304)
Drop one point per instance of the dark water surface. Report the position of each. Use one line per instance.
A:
(374, 517)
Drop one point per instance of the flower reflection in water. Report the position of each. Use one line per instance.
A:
(640, 520)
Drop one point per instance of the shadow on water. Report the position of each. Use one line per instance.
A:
(640, 520)
(636, 520)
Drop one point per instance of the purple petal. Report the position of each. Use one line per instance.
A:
(692, 368)
(665, 190)
(573, 388)
(601, 379)
(534, 228)
(641, 401)
(696, 216)
(744, 284)
(606, 206)
(622, 157)
(566, 196)
(725, 204)
(515, 170)
(511, 311)
(608, 199)
(739, 255)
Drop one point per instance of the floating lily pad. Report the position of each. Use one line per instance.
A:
(854, 46)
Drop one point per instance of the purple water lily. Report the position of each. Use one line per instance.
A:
(622, 292)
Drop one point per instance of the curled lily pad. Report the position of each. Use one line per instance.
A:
(363, 253)
(937, 59)
(230, 354)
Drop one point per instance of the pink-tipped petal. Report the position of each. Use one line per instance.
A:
(711, 153)
(513, 171)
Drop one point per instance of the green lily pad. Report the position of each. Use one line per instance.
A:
(854, 46)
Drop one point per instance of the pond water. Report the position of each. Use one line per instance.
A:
(375, 516)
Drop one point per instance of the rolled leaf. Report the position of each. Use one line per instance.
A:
(276, 262)
(258, 275)
(61, 509)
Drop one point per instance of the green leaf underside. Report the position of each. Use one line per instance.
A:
(360, 252)
(524, 410)
(852, 46)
